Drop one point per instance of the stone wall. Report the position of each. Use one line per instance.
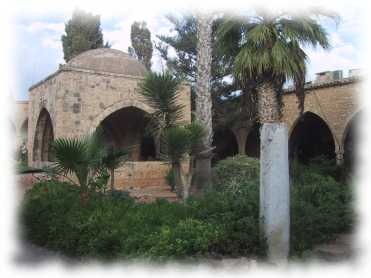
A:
(336, 104)
(79, 100)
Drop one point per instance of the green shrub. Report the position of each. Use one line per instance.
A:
(223, 221)
(321, 207)
(235, 169)
(237, 212)
(189, 237)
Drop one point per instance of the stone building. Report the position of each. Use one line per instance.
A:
(99, 88)
(327, 127)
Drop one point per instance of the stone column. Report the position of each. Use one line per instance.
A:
(339, 156)
(275, 191)
(241, 137)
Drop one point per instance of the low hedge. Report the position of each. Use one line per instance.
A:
(219, 222)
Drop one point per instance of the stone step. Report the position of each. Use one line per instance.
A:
(162, 195)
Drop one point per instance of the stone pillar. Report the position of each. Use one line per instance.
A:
(275, 191)
(339, 156)
(241, 137)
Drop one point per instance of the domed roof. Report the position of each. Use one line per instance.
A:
(108, 60)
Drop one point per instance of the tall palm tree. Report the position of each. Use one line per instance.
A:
(268, 51)
(203, 98)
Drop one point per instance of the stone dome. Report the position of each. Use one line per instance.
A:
(108, 60)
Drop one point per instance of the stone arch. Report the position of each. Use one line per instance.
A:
(311, 136)
(225, 143)
(44, 136)
(349, 139)
(116, 107)
(252, 147)
(127, 128)
(24, 131)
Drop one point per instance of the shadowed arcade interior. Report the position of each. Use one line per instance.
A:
(24, 131)
(310, 138)
(225, 144)
(126, 128)
(252, 147)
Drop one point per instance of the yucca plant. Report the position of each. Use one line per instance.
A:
(178, 142)
(182, 143)
(161, 92)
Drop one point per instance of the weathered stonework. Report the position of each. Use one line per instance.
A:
(84, 92)
(336, 103)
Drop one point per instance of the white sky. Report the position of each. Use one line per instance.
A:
(38, 38)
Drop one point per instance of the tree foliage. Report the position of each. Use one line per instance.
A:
(86, 158)
(224, 88)
(82, 32)
(142, 47)
(269, 48)
(161, 92)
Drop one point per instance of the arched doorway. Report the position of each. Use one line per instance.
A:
(44, 136)
(350, 141)
(311, 137)
(24, 131)
(127, 128)
(252, 148)
(225, 144)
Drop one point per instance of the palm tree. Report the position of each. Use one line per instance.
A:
(203, 98)
(268, 51)
(178, 142)
(88, 159)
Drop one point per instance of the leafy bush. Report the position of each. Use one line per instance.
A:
(321, 207)
(235, 169)
(321, 165)
(238, 217)
(222, 222)
(189, 237)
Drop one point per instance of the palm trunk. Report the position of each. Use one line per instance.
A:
(178, 179)
(274, 177)
(203, 96)
(182, 181)
(83, 198)
(112, 180)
